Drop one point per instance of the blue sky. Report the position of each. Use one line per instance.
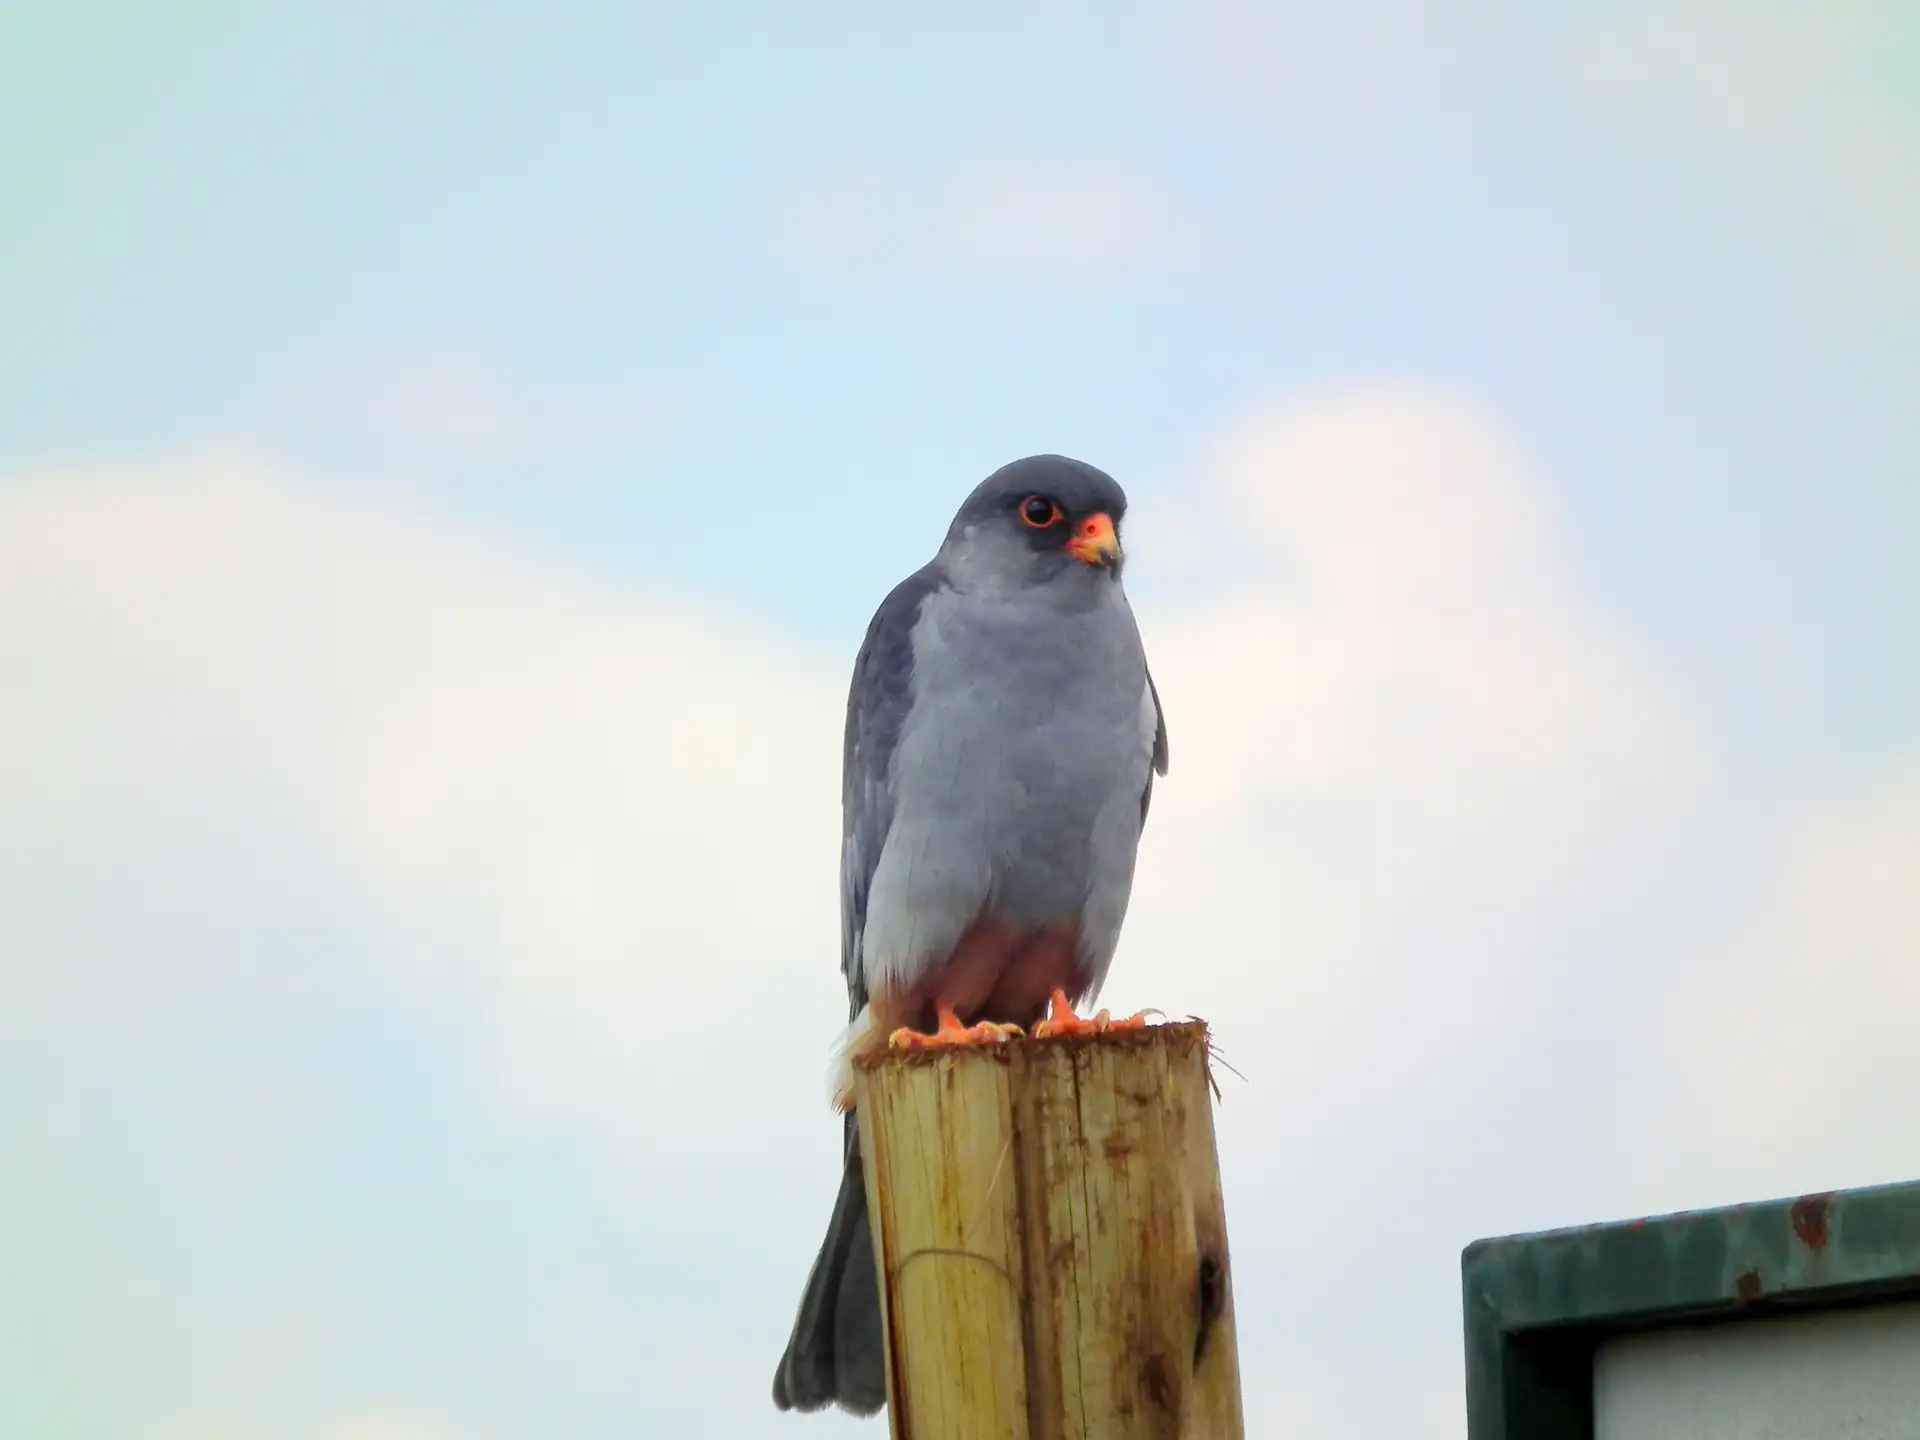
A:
(448, 455)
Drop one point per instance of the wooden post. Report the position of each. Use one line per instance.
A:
(1050, 1240)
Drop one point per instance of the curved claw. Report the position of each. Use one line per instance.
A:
(992, 1032)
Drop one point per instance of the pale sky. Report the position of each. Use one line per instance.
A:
(448, 457)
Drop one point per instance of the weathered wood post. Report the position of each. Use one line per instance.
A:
(1050, 1239)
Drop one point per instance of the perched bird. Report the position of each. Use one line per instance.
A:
(1002, 738)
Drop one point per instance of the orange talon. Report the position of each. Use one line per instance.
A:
(952, 1033)
(1062, 1021)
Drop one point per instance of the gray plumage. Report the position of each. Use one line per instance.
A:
(1001, 741)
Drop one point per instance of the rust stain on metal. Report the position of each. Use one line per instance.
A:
(1747, 1285)
(1810, 1220)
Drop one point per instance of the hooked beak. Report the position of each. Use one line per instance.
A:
(1094, 542)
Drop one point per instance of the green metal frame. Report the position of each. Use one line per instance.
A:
(1537, 1306)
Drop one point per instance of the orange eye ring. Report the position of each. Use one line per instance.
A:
(1037, 512)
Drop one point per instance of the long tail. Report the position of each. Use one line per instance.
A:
(834, 1355)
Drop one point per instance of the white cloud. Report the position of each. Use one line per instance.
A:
(611, 801)
(1791, 1041)
(1413, 742)
(1425, 623)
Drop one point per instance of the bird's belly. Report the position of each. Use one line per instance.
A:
(1014, 863)
(1001, 972)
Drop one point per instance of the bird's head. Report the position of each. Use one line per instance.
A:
(1037, 521)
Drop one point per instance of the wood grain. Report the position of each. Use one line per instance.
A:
(1051, 1240)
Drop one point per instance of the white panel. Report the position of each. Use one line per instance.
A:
(1851, 1373)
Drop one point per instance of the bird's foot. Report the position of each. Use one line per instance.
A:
(1062, 1021)
(952, 1034)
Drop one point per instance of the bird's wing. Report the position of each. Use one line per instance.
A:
(1159, 748)
(877, 705)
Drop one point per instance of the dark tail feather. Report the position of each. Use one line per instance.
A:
(834, 1355)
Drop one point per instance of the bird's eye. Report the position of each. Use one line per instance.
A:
(1039, 512)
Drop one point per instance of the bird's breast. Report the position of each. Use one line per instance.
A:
(1022, 744)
